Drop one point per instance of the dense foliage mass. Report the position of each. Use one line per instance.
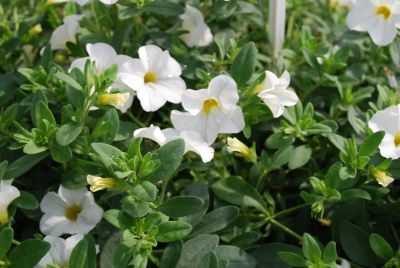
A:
(155, 133)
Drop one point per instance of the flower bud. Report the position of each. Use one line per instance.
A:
(382, 177)
(235, 145)
(99, 183)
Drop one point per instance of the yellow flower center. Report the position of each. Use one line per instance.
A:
(209, 105)
(384, 11)
(149, 77)
(3, 215)
(71, 213)
(117, 99)
(397, 139)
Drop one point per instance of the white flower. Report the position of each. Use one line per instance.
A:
(65, 32)
(102, 54)
(60, 251)
(199, 33)
(121, 101)
(379, 18)
(69, 212)
(274, 93)
(388, 120)
(343, 264)
(155, 77)
(277, 16)
(82, 2)
(211, 111)
(193, 140)
(8, 193)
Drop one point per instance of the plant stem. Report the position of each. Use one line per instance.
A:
(163, 190)
(134, 119)
(285, 229)
(154, 260)
(289, 210)
(16, 242)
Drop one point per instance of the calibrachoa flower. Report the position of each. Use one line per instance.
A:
(275, 94)
(193, 140)
(69, 212)
(8, 193)
(155, 77)
(211, 111)
(380, 18)
(99, 183)
(82, 2)
(388, 120)
(382, 177)
(199, 33)
(102, 54)
(65, 32)
(60, 251)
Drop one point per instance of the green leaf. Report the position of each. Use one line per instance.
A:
(107, 153)
(60, 153)
(300, 156)
(237, 191)
(42, 112)
(381, 248)
(32, 148)
(371, 143)
(173, 230)
(332, 179)
(23, 164)
(107, 127)
(6, 236)
(171, 255)
(311, 249)
(236, 257)
(69, 80)
(28, 253)
(292, 259)
(281, 157)
(79, 254)
(194, 250)
(215, 220)
(27, 201)
(338, 141)
(267, 254)
(209, 260)
(354, 194)
(223, 41)
(118, 218)
(164, 8)
(180, 206)
(329, 254)
(355, 244)
(170, 156)
(145, 191)
(135, 208)
(244, 64)
(106, 254)
(67, 133)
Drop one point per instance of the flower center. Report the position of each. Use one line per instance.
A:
(149, 77)
(72, 212)
(210, 104)
(383, 11)
(397, 139)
